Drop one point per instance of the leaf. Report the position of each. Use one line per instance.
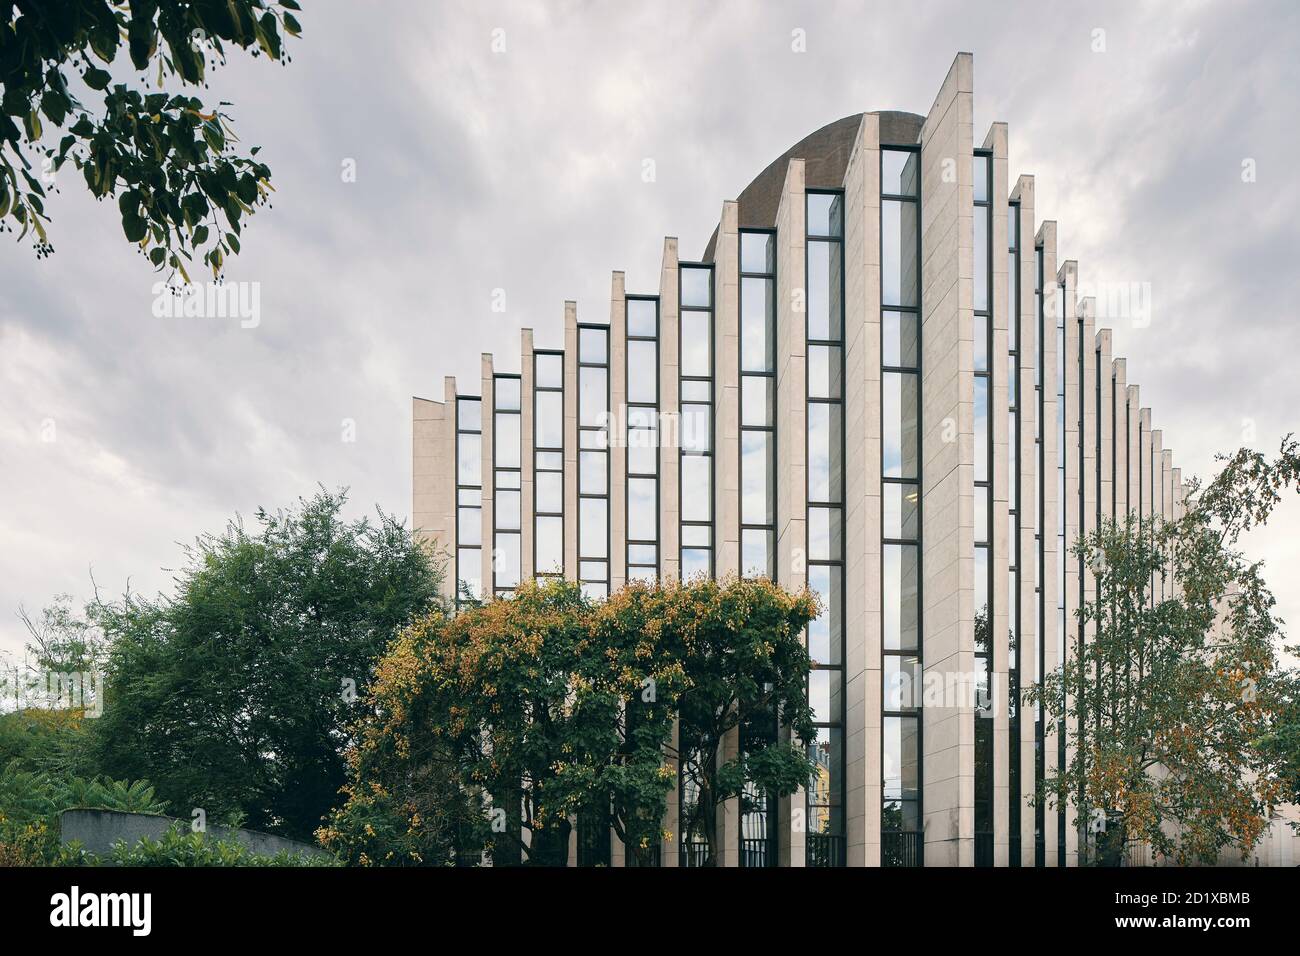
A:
(96, 78)
(134, 228)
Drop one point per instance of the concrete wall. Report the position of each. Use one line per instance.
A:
(98, 830)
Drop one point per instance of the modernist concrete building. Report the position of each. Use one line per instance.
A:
(879, 378)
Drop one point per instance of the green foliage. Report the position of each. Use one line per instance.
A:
(42, 739)
(1179, 718)
(560, 708)
(31, 801)
(235, 694)
(180, 183)
(180, 847)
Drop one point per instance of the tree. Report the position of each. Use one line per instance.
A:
(1175, 705)
(516, 717)
(180, 184)
(235, 694)
(746, 669)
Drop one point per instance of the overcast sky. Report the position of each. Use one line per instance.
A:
(521, 170)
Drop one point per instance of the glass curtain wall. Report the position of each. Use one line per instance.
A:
(469, 499)
(695, 423)
(758, 403)
(825, 520)
(982, 168)
(902, 841)
(593, 460)
(548, 464)
(506, 475)
(642, 438)
(1013, 532)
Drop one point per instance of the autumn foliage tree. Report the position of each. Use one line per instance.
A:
(1176, 703)
(496, 727)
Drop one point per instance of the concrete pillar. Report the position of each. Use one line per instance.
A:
(726, 394)
(433, 480)
(1119, 443)
(862, 514)
(792, 444)
(1067, 279)
(947, 466)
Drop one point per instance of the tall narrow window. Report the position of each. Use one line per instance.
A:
(1040, 563)
(642, 438)
(1014, 657)
(506, 475)
(825, 521)
(548, 464)
(469, 499)
(758, 403)
(1062, 547)
(902, 839)
(695, 422)
(593, 460)
(982, 168)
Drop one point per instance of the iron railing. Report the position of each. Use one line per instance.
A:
(901, 848)
(824, 849)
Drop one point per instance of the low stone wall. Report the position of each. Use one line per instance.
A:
(98, 830)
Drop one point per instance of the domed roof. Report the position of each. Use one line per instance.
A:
(826, 158)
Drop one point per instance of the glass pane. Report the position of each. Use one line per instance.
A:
(898, 239)
(899, 597)
(595, 592)
(506, 560)
(507, 394)
(696, 562)
(469, 414)
(980, 177)
(696, 341)
(642, 509)
(642, 554)
(694, 391)
(981, 343)
(469, 496)
(898, 171)
(981, 429)
(469, 526)
(550, 545)
(508, 479)
(825, 633)
(696, 428)
(902, 682)
(823, 371)
(981, 258)
(757, 552)
(824, 452)
(696, 475)
(470, 572)
(757, 252)
(550, 492)
(469, 466)
(756, 399)
(823, 534)
(898, 339)
(899, 440)
(593, 475)
(697, 286)
(507, 510)
(642, 372)
(593, 529)
(900, 510)
(824, 286)
(506, 441)
(549, 419)
(643, 317)
(901, 766)
(592, 395)
(593, 346)
(981, 600)
(755, 478)
(593, 570)
(825, 214)
(981, 515)
(757, 341)
(644, 573)
(549, 370)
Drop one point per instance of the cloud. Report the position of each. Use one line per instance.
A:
(522, 170)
